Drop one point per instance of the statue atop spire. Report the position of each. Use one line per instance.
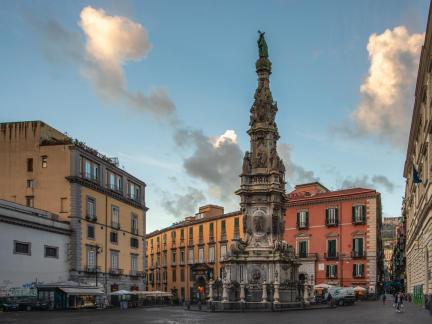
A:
(262, 45)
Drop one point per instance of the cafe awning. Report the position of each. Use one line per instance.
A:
(82, 291)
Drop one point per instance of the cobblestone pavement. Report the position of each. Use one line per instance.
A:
(362, 312)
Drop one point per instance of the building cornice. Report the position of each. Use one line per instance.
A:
(319, 200)
(29, 224)
(94, 186)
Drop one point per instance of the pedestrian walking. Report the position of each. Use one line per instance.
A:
(384, 297)
(330, 299)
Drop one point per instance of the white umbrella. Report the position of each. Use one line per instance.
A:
(121, 292)
(323, 285)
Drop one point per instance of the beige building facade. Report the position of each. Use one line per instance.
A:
(43, 168)
(183, 258)
(417, 204)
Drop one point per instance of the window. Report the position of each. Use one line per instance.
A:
(91, 209)
(331, 271)
(164, 259)
(91, 169)
(30, 165)
(190, 235)
(174, 275)
(152, 261)
(114, 237)
(63, 205)
(182, 257)
(357, 247)
(30, 201)
(114, 260)
(201, 255)
(358, 270)
(236, 228)
(302, 249)
(211, 231)
(134, 263)
(173, 257)
(331, 216)
(182, 234)
(90, 232)
(91, 257)
(133, 191)
(191, 256)
(114, 181)
(359, 214)
(223, 230)
(173, 236)
(22, 248)
(51, 252)
(182, 275)
(223, 250)
(302, 219)
(211, 254)
(134, 243)
(29, 183)
(331, 249)
(44, 161)
(134, 224)
(201, 233)
(115, 217)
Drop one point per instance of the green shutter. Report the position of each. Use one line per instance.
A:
(327, 271)
(335, 271)
(353, 214)
(363, 213)
(354, 270)
(298, 219)
(362, 269)
(307, 219)
(360, 246)
(336, 216)
(327, 216)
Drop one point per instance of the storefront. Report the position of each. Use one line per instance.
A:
(70, 295)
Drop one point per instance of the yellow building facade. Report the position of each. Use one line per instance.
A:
(182, 258)
(43, 168)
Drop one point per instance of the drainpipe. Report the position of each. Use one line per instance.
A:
(106, 244)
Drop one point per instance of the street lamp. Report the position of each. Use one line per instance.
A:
(99, 250)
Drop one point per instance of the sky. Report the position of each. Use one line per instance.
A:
(166, 86)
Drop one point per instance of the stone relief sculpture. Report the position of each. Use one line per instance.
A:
(247, 165)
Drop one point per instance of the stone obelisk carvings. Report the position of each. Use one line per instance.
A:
(262, 262)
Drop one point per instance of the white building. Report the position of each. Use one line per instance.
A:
(34, 248)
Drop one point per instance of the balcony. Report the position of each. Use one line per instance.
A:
(358, 275)
(331, 256)
(116, 271)
(302, 225)
(134, 231)
(358, 254)
(91, 218)
(92, 269)
(115, 225)
(331, 276)
(359, 221)
(332, 223)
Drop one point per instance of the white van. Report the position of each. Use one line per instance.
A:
(341, 295)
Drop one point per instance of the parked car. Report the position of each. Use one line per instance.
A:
(10, 306)
(341, 295)
(32, 304)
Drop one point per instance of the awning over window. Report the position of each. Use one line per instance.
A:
(82, 291)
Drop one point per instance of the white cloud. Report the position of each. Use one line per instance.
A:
(228, 136)
(387, 92)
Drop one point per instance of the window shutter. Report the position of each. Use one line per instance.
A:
(336, 216)
(360, 246)
(353, 214)
(327, 271)
(362, 269)
(335, 271)
(298, 219)
(354, 270)
(327, 216)
(307, 219)
(363, 213)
